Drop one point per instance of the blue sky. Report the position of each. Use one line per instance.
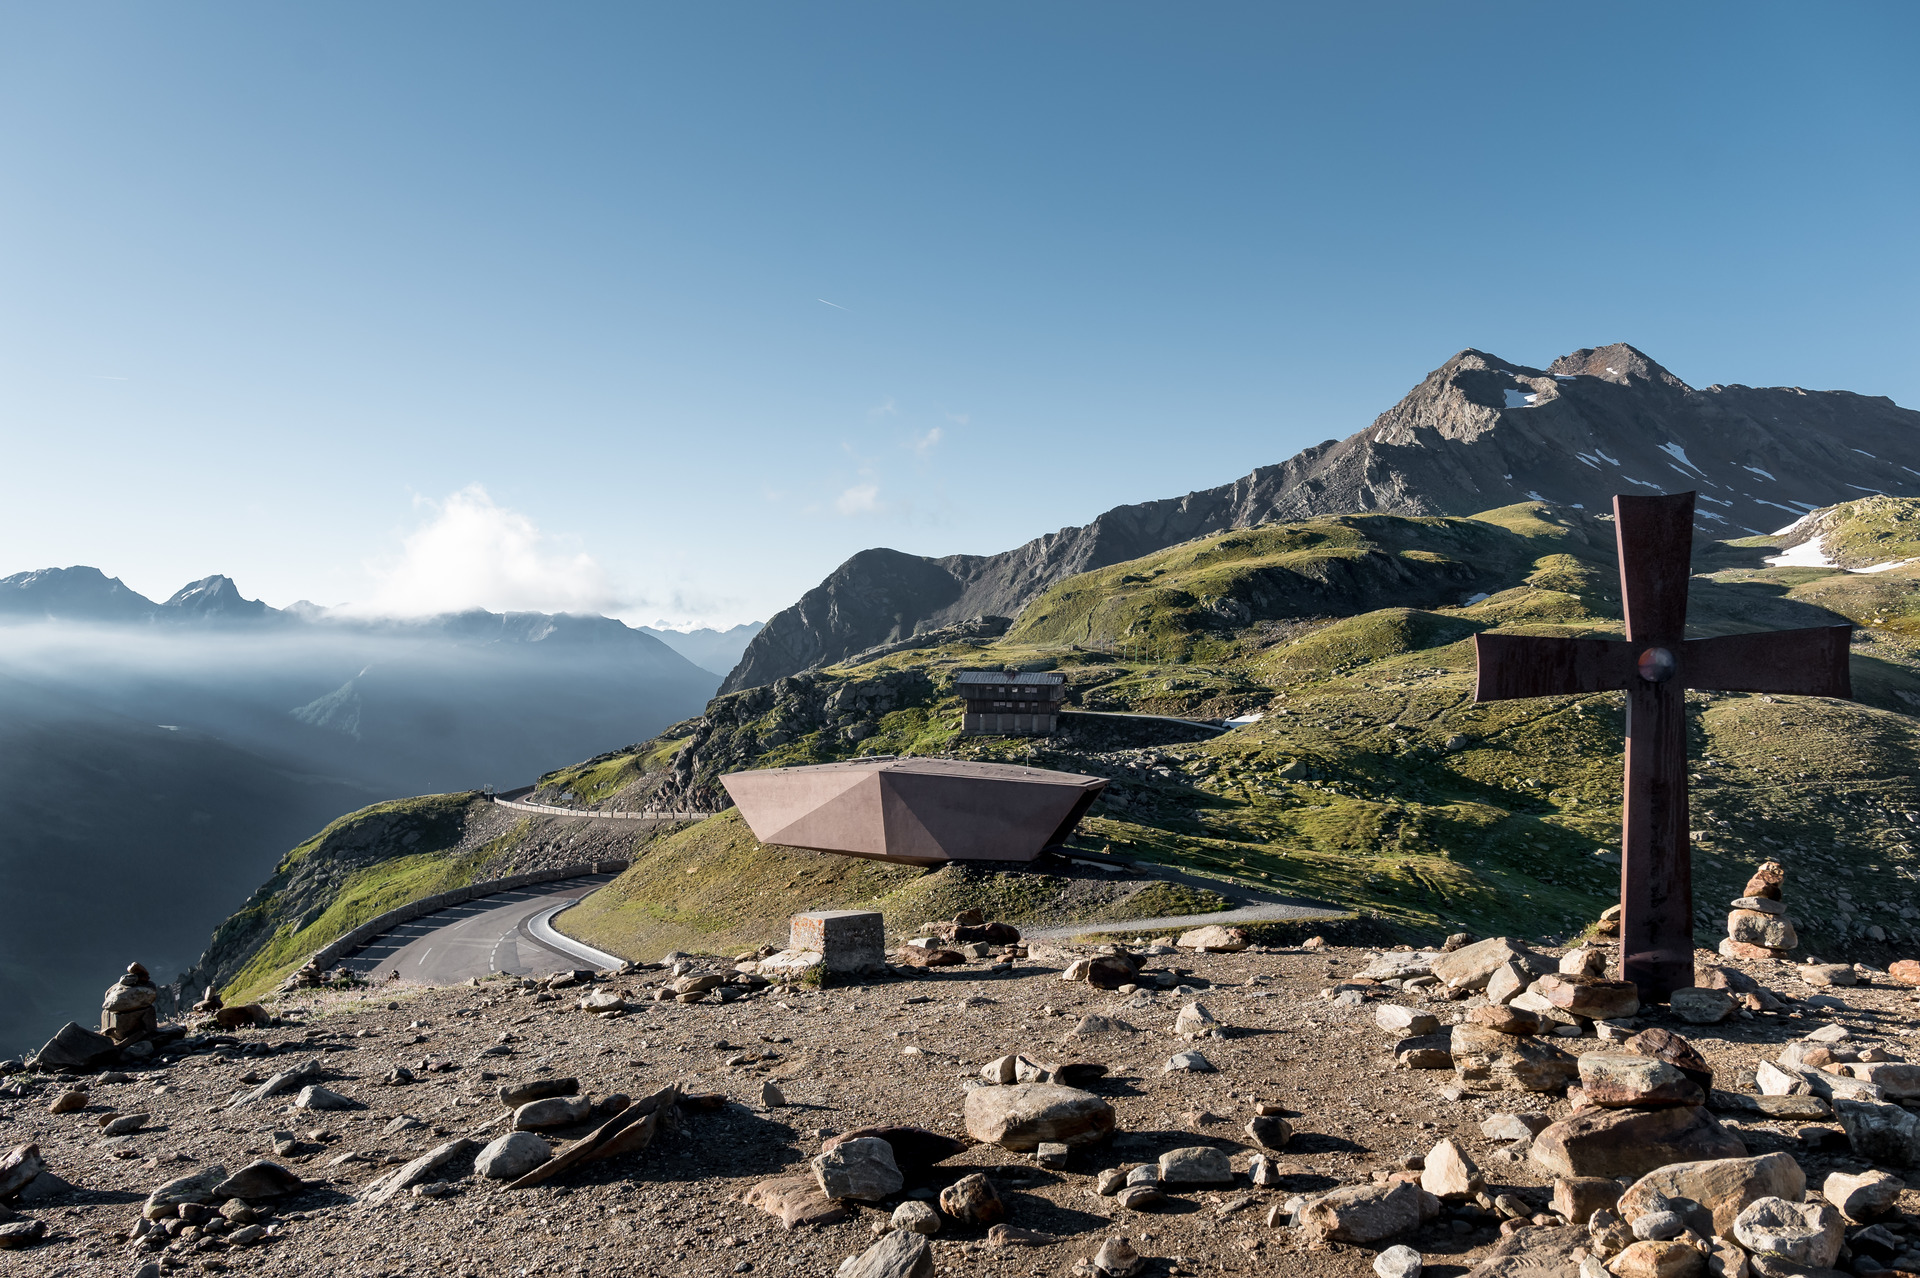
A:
(527, 305)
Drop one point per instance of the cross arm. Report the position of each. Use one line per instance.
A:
(1513, 666)
(1806, 663)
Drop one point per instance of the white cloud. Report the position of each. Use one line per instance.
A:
(861, 499)
(887, 409)
(474, 553)
(924, 444)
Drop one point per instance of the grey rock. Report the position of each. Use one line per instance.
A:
(1807, 1234)
(1020, 1117)
(511, 1156)
(900, 1253)
(166, 1199)
(554, 1111)
(1398, 1261)
(1187, 1063)
(1195, 1165)
(1117, 1259)
(1862, 1196)
(861, 1168)
(916, 1217)
(123, 1125)
(317, 1097)
(259, 1179)
(1658, 1226)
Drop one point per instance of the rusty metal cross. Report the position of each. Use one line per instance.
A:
(1655, 665)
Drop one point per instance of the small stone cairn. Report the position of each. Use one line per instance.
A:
(127, 1011)
(1757, 926)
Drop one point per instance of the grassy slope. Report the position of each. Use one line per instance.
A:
(713, 888)
(1375, 780)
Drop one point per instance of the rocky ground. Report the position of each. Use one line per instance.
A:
(1300, 1038)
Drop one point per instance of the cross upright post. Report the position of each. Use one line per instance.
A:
(1655, 665)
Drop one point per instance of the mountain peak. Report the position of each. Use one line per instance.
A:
(216, 598)
(78, 593)
(1618, 363)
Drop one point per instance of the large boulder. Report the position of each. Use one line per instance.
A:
(1622, 1080)
(1368, 1214)
(1632, 1142)
(1722, 1186)
(862, 1169)
(1897, 1080)
(1593, 997)
(1020, 1117)
(73, 1049)
(1801, 1235)
(1486, 1056)
(1471, 966)
(1880, 1133)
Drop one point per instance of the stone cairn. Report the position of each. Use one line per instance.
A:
(1757, 926)
(127, 1011)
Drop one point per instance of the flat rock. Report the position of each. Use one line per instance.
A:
(796, 1201)
(899, 1254)
(1593, 997)
(1195, 1165)
(1509, 1126)
(1424, 1051)
(1399, 965)
(1471, 966)
(313, 1096)
(1022, 1116)
(1632, 1142)
(514, 1095)
(554, 1111)
(1517, 1021)
(1368, 1214)
(1620, 1080)
(1827, 974)
(1535, 1253)
(1187, 1063)
(1659, 1260)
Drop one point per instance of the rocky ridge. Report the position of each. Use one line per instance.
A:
(1478, 432)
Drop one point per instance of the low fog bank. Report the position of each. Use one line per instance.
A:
(157, 772)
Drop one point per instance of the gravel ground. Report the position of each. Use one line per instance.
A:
(893, 1051)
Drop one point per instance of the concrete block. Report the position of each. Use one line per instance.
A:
(848, 940)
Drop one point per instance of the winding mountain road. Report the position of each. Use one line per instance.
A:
(508, 932)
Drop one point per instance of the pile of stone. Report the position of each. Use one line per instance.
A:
(127, 1010)
(970, 937)
(130, 1030)
(1635, 1110)
(1757, 925)
(313, 976)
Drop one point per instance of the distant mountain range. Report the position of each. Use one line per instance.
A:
(160, 757)
(1478, 433)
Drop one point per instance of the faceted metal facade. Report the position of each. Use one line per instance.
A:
(914, 811)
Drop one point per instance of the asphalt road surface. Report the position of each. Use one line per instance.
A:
(489, 935)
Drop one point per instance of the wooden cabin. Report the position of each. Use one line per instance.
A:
(1011, 703)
